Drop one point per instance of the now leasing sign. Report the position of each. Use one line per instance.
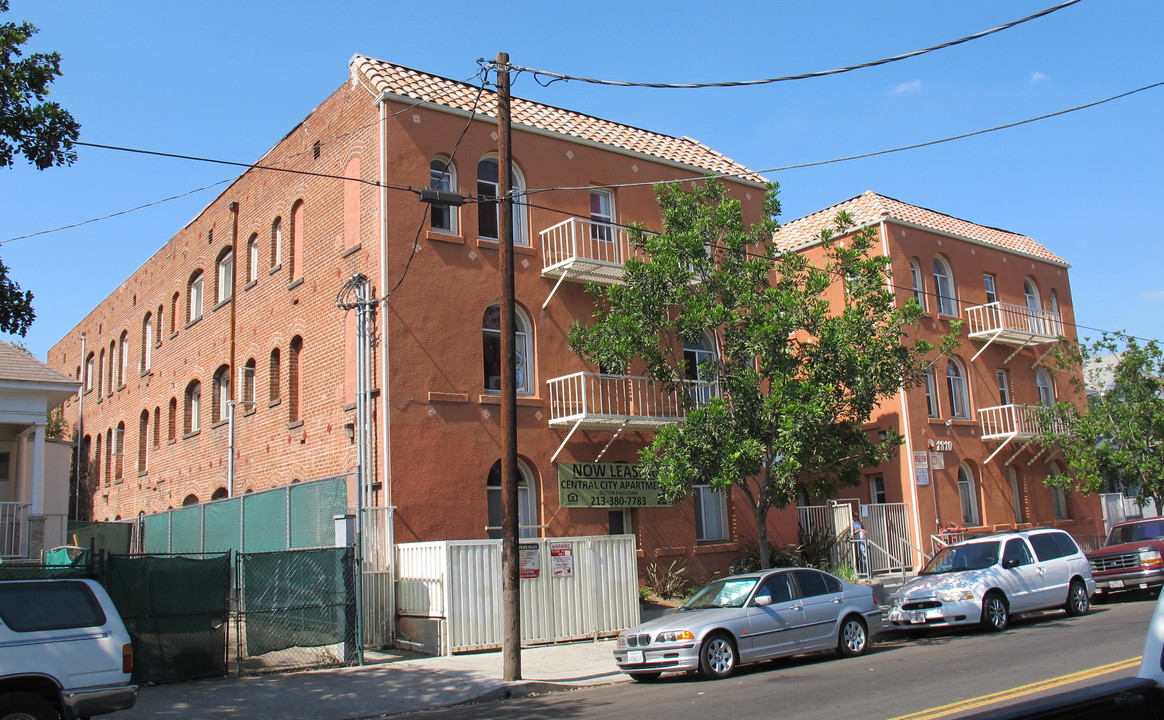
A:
(610, 485)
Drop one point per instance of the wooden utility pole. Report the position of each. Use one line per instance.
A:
(510, 596)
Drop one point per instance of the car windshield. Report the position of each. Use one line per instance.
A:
(1136, 532)
(722, 593)
(970, 556)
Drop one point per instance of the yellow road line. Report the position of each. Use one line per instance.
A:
(1021, 691)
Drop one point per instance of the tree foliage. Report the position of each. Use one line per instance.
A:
(803, 353)
(42, 131)
(1120, 434)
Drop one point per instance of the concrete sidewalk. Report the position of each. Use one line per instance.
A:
(402, 683)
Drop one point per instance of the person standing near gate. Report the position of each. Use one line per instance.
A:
(860, 535)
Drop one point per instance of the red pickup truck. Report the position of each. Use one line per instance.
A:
(1132, 557)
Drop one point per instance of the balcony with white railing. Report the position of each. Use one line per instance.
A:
(1015, 325)
(14, 529)
(1020, 422)
(595, 401)
(582, 251)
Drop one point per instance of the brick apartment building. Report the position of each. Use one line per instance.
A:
(239, 309)
(970, 457)
(240, 306)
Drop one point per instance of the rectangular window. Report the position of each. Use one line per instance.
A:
(1003, 387)
(1059, 500)
(40, 606)
(226, 277)
(710, 513)
(991, 295)
(601, 215)
(442, 216)
(931, 394)
(877, 489)
(196, 299)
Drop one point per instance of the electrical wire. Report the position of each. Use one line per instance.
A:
(818, 163)
(803, 76)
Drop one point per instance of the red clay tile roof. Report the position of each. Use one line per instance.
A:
(869, 207)
(397, 80)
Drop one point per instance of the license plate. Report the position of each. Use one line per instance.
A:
(1115, 583)
(917, 618)
(634, 657)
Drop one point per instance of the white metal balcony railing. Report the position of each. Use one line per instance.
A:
(1012, 421)
(14, 529)
(596, 401)
(1010, 324)
(582, 250)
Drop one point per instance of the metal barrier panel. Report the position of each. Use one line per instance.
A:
(379, 603)
(157, 533)
(186, 530)
(473, 595)
(223, 523)
(313, 506)
(890, 546)
(175, 609)
(422, 570)
(112, 537)
(265, 521)
(297, 609)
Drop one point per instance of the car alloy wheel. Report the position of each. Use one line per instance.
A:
(995, 613)
(854, 638)
(717, 657)
(1077, 601)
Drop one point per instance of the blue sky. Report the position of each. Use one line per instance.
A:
(228, 80)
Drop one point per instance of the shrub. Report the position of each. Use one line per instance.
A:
(816, 547)
(749, 559)
(669, 582)
(846, 573)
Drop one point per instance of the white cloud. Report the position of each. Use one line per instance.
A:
(1153, 295)
(1037, 76)
(907, 87)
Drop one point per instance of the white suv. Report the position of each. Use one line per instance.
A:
(987, 579)
(64, 651)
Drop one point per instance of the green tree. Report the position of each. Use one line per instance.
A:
(802, 352)
(1118, 432)
(42, 131)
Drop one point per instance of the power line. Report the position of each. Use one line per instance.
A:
(799, 166)
(804, 76)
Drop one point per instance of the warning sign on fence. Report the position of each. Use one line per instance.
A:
(562, 559)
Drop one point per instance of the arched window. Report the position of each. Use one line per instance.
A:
(110, 373)
(122, 357)
(919, 287)
(967, 496)
(87, 456)
(191, 417)
(147, 342)
(698, 354)
(172, 425)
(157, 427)
(956, 384)
(224, 285)
(1016, 496)
(294, 363)
(273, 375)
(118, 451)
(89, 373)
(220, 494)
(526, 516)
(488, 188)
(1058, 497)
(1034, 307)
(944, 288)
(174, 314)
(247, 385)
(932, 408)
(298, 236)
(158, 331)
(442, 176)
(143, 438)
(194, 297)
(253, 258)
(96, 469)
(491, 350)
(190, 500)
(1046, 388)
(276, 242)
(220, 400)
(1056, 318)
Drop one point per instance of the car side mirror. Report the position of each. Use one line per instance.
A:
(762, 600)
(1012, 563)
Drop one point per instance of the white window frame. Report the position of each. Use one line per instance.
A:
(877, 494)
(711, 516)
(1046, 388)
(695, 355)
(225, 277)
(944, 288)
(491, 189)
(195, 291)
(220, 410)
(1003, 378)
(523, 348)
(968, 496)
(1058, 497)
(919, 287)
(253, 258)
(276, 242)
(991, 288)
(147, 348)
(1016, 498)
(526, 514)
(601, 215)
(957, 387)
(933, 409)
(442, 175)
